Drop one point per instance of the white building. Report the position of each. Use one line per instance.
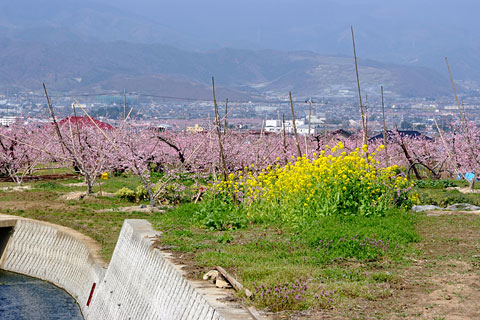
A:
(6, 121)
(74, 105)
(318, 118)
(277, 126)
(273, 123)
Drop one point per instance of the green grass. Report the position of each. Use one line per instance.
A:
(43, 202)
(342, 259)
(50, 170)
(349, 267)
(444, 198)
(435, 192)
(269, 254)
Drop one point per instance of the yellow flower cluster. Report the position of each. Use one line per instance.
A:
(340, 182)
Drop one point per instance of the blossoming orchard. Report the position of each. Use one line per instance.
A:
(284, 211)
(264, 166)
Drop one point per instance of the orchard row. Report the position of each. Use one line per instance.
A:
(91, 150)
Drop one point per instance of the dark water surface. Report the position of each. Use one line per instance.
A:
(25, 298)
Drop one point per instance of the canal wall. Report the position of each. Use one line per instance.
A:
(57, 254)
(139, 283)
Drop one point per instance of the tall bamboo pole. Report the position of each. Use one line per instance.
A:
(385, 139)
(284, 138)
(57, 128)
(225, 120)
(309, 115)
(294, 125)
(124, 104)
(219, 135)
(460, 111)
(362, 111)
(76, 124)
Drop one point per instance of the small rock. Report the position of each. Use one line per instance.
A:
(75, 195)
(425, 208)
(143, 206)
(462, 207)
(221, 283)
(211, 275)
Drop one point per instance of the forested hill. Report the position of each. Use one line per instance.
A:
(95, 66)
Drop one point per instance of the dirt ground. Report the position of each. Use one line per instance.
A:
(443, 282)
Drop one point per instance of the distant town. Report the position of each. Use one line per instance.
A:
(313, 115)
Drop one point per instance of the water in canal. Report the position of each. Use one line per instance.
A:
(25, 298)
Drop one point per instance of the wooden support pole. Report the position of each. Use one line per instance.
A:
(294, 125)
(460, 111)
(309, 115)
(362, 111)
(124, 104)
(385, 138)
(217, 124)
(225, 124)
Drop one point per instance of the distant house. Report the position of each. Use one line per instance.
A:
(164, 127)
(6, 121)
(85, 121)
(339, 133)
(403, 134)
(195, 129)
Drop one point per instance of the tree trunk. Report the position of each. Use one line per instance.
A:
(472, 183)
(151, 197)
(151, 194)
(89, 183)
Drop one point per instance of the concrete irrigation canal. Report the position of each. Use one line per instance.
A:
(23, 297)
(139, 283)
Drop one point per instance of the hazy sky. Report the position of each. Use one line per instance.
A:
(403, 31)
(291, 24)
(251, 14)
(303, 24)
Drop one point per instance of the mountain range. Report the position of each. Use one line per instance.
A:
(79, 46)
(164, 70)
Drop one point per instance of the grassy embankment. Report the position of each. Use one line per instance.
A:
(336, 262)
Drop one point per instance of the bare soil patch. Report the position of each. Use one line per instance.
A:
(464, 190)
(16, 189)
(79, 195)
(447, 212)
(137, 208)
(443, 282)
(44, 177)
(79, 184)
(36, 200)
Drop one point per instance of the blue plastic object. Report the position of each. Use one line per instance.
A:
(469, 176)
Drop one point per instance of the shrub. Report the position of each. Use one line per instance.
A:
(445, 198)
(49, 185)
(142, 193)
(219, 214)
(171, 193)
(126, 194)
(225, 238)
(435, 184)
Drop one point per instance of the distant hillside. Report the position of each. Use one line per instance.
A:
(55, 21)
(408, 32)
(81, 67)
